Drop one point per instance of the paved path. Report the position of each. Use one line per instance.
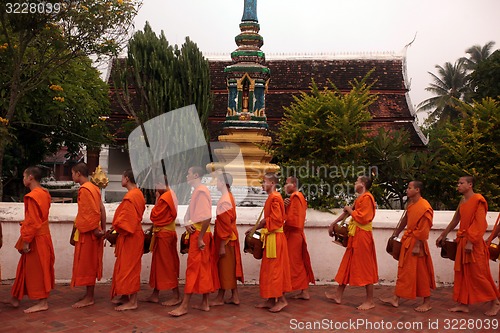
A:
(316, 315)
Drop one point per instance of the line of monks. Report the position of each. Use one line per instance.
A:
(214, 259)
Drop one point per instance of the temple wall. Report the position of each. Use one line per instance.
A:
(325, 255)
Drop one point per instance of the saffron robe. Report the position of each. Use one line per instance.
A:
(228, 269)
(359, 263)
(165, 262)
(87, 261)
(416, 272)
(275, 277)
(473, 281)
(129, 244)
(35, 271)
(199, 279)
(300, 263)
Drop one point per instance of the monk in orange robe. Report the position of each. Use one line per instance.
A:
(274, 280)
(165, 262)
(415, 269)
(199, 278)
(35, 271)
(473, 281)
(90, 224)
(495, 233)
(129, 248)
(295, 218)
(226, 255)
(359, 263)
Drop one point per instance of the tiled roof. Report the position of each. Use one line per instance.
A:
(291, 76)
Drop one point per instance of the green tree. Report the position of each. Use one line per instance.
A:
(35, 45)
(477, 54)
(322, 142)
(450, 88)
(472, 146)
(396, 166)
(157, 77)
(485, 79)
(67, 109)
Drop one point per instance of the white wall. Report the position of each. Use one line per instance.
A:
(325, 255)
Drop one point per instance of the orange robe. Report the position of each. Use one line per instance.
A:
(300, 262)
(165, 264)
(275, 277)
(199, 278)
(227, 269)
(359, 263)
(473, 280)
(416, 272)
(35, 271)
(87, 262)
(129, 244)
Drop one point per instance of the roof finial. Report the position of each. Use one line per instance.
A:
(250, 11)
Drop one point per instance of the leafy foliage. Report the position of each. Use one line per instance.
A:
(322, 142)
(35, 46)
(157, 78)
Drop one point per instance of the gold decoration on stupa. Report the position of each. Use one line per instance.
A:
(98, 178)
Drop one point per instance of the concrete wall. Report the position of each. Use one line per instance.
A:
(325, 255)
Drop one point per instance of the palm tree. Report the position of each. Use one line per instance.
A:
(450, 86)
(477, 54)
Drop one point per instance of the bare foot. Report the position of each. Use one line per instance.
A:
(217, 302)
(151, 299)
(459, 308)
(83, 303)
(302, 295)
(126, 306)
(180, 311)
(266, 304)
(122, 300)
(13, 302)
(333, 296)
(392, 301)
(172, 302)
(495, 307)
(233, 300)
(366, 306)
(40, 306)
(202, 307)
(280, 305)
(423, 308)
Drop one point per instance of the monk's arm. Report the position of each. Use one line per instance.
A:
(452, 225)
(477, 229)
(402, 225)
(204, 226)
(364, 211)
(495, 233)
(103, 218)
(32, 221)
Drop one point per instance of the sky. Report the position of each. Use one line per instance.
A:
(444, 29)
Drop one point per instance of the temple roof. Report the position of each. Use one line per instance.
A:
(292, 74)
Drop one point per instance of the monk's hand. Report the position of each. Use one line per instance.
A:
(287, 202)
(222, 251)
(416, 248)
(190, 228)
(248, 231)
(348, 210)
(439, 241)
(26, 247)
(468, 247)
(330, 229)
(201, 244)
(99, 233)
